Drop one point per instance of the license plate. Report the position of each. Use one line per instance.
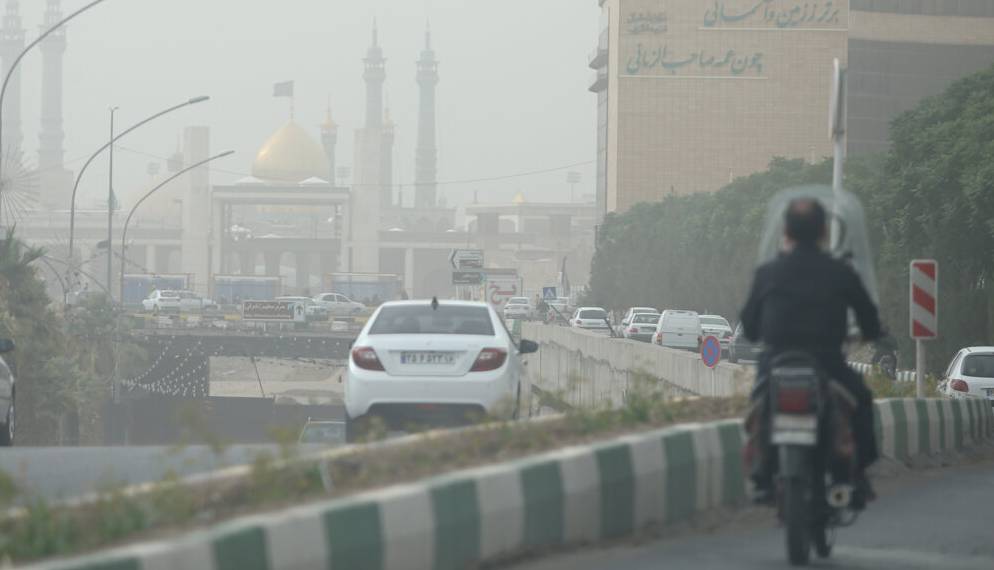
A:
(427, 358)
(794, 429)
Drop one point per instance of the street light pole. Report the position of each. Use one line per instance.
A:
(110, 211)
(13, 66)
(82, 170)
(127, 221)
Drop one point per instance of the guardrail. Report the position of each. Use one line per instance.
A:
(589, 369)
(576, 495)
(864, 368)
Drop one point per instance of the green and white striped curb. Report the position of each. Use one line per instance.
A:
(864, 368)
(574, 495)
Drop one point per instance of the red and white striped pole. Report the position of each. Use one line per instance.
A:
(924, 296)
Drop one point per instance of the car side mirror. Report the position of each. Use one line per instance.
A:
(527, 347)
(6, 345)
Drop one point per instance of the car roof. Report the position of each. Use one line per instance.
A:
(978, 349)
(714, 317)
(444, 303)
(680, 312)
(590, 308)
(644, 309)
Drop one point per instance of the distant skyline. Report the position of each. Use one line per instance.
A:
(512, 96)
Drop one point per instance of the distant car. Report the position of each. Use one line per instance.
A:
(590, 318)
(435, 363)
(162, 301)
(519, 308)
(159, 301)
(740, 348)
(339, 305)
(627, 319)
(641, 327)
(312, 310)
(970, 374)
(7, 397)
(678, 329)
(717, 326)
(323, 432)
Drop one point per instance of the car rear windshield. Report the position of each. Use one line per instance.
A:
(593, 314)
(422, 319)
(646, 318)
(979, 365)
(681, 321)
(714, 321)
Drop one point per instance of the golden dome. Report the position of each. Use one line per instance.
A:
(291, 155)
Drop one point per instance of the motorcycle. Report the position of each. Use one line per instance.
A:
(808, 447)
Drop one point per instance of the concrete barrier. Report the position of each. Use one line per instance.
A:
(576, 495)
(588, 369)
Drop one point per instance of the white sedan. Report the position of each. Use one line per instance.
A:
(590, 318)
(717, 326)
(970, 374)
(431, 362)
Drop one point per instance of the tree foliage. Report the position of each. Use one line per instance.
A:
(931, 195)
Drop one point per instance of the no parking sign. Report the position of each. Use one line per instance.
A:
(711, 351)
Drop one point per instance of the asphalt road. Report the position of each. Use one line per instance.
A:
(940, 518)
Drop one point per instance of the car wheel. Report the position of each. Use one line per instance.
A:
(516, 415)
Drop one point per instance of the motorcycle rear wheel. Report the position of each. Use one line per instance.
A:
(796, 508)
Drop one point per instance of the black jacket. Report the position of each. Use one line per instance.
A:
(801, 300)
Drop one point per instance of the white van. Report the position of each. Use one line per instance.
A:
(678, 329)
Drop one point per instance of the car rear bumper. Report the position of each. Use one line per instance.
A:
(405, 416)
(484, 390)
(641, 337)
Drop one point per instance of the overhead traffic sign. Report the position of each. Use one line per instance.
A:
(467, 278)
(924, 294)
(711, 351)
(549, 293)
(462, 259)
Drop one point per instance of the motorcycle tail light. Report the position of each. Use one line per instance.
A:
(960, 386)
(794, 400)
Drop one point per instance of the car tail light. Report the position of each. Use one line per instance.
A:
(365, 357)
(959, 385)
(489, 359)
(793, 400)
(633, 330)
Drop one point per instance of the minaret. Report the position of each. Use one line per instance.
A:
(54, 178)
(11, 44)
(329, 138)
(426, 155)
(386, 162)
(375, 75)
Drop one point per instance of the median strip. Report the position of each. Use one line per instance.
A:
(584, 493)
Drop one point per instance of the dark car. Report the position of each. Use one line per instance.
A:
(740, 348)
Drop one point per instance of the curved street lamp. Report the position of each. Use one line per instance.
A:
(124, 231)
(38, 40)
(79, 175)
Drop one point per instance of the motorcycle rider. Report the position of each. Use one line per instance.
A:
(800, 301)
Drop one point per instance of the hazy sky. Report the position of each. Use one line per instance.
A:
(512, 98)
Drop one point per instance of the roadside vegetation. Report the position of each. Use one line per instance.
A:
(930, 196)
(39, 529)
(64, 361)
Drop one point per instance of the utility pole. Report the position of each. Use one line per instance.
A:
(110, 213)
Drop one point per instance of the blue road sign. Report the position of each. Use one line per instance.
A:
(548, 293)
(711, 351)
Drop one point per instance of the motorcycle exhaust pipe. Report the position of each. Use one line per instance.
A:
(839, 496)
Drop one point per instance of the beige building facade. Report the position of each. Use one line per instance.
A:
(694, 93)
